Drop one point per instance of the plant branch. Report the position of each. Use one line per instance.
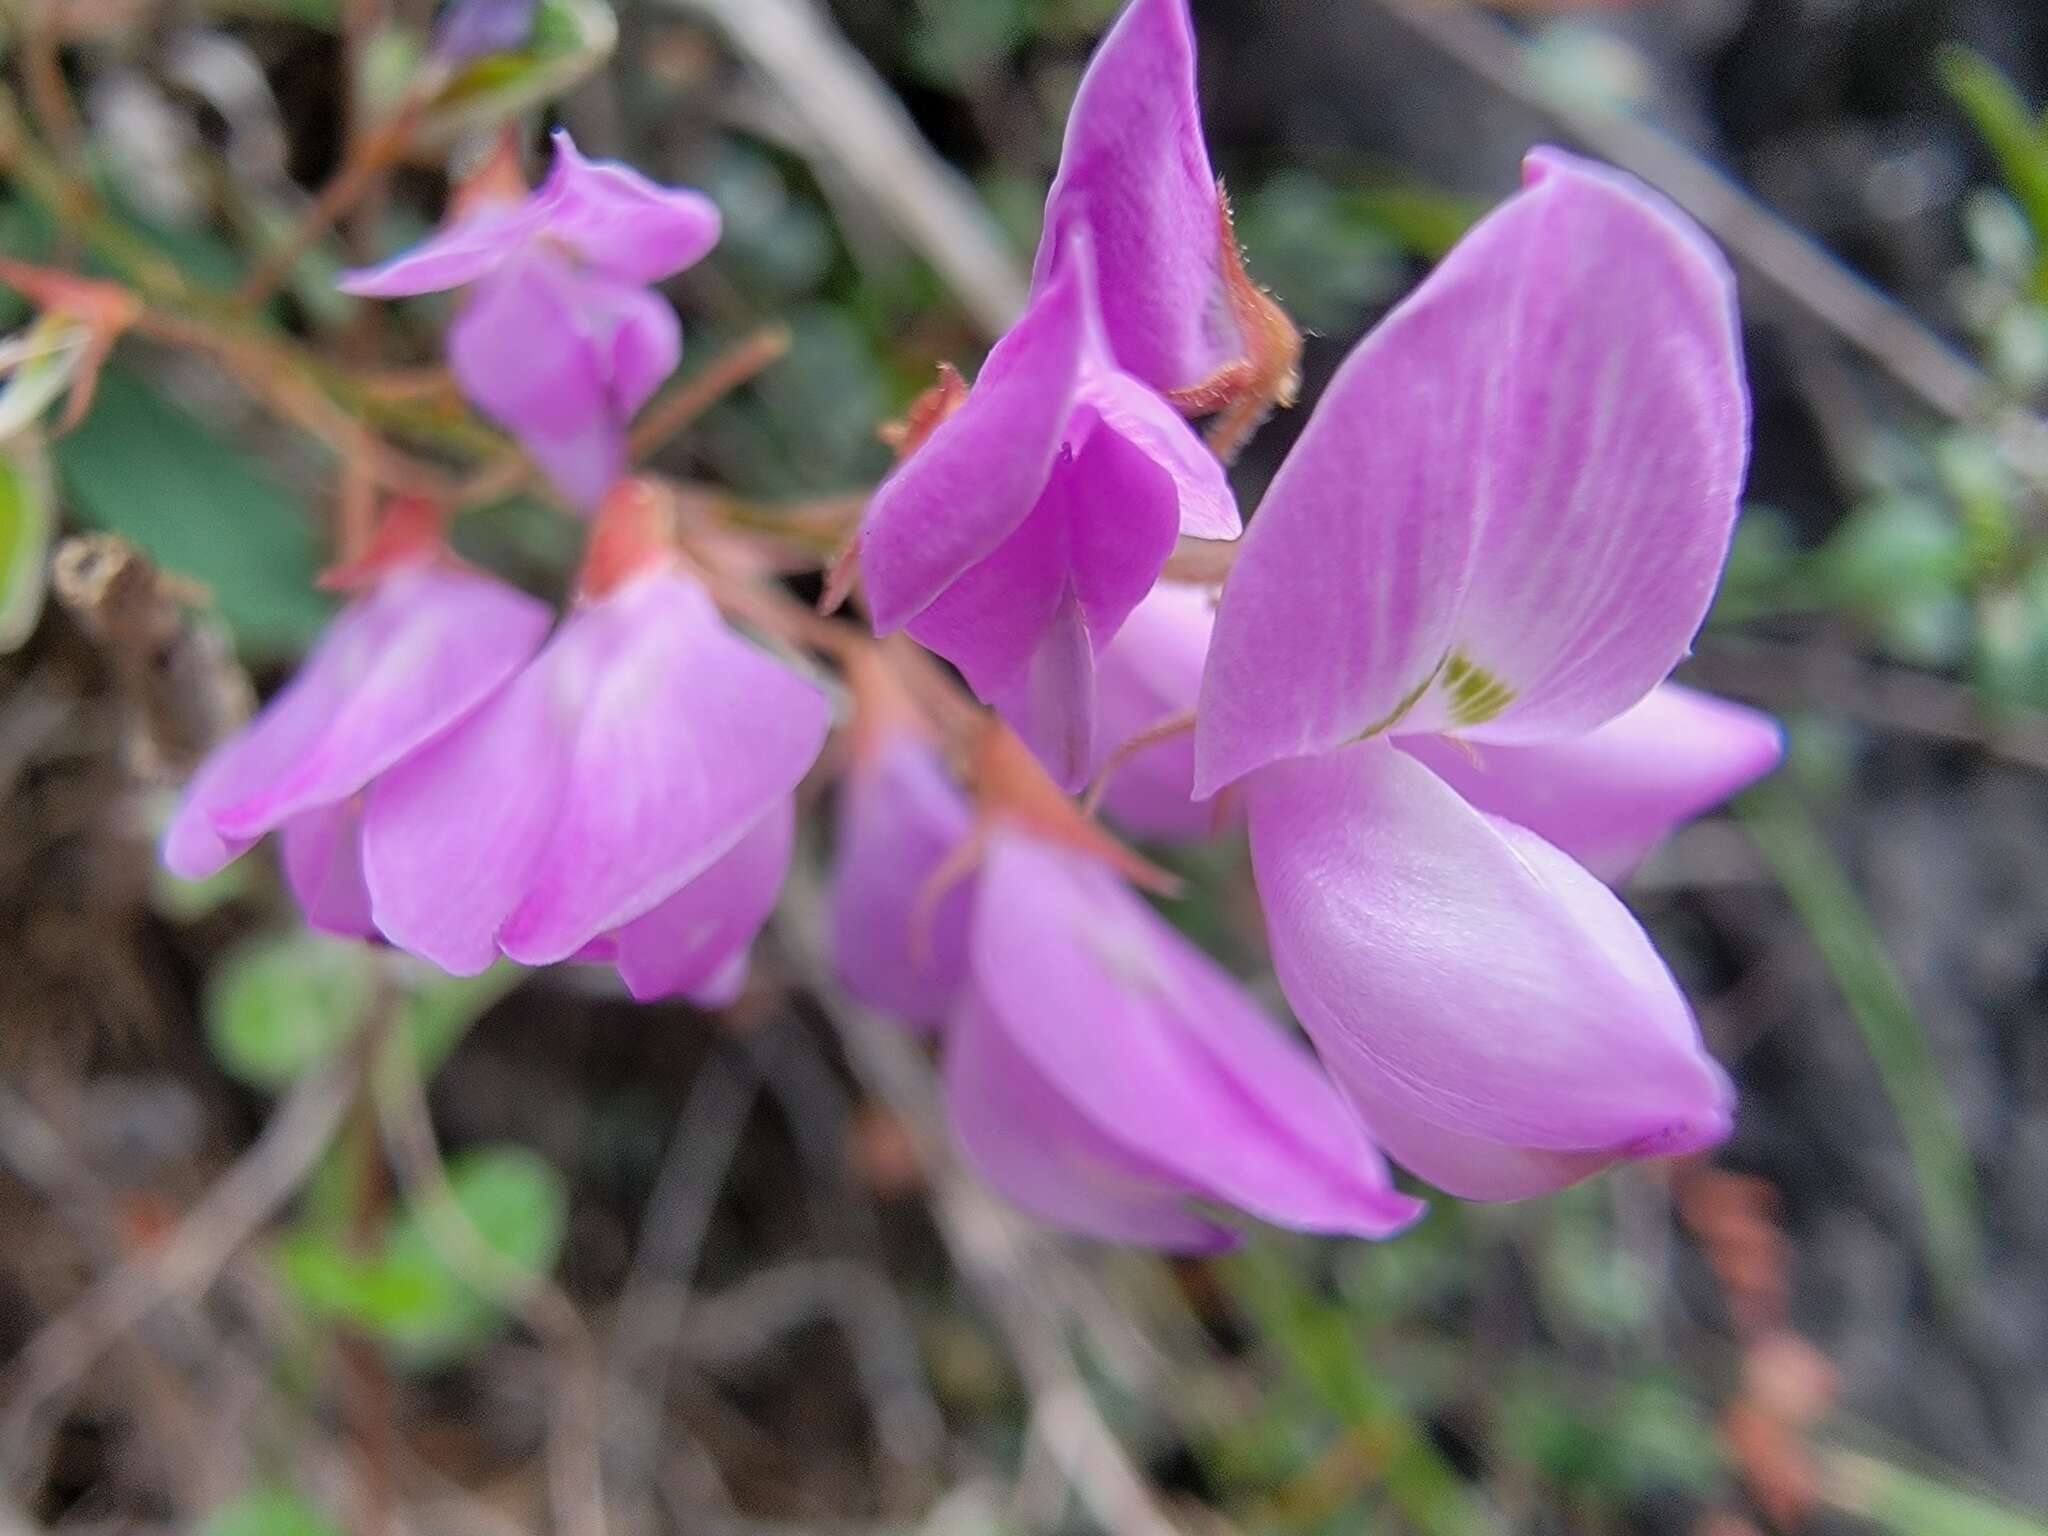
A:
(986, 1241)
(248, 1195)
(575, 1470)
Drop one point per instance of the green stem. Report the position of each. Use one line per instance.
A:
(1826, 901)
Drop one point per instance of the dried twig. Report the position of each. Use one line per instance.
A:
(251, 1191)
(1786, 677)
(575, 1469)
(986, 1241)
(674, 411)
(174, 664)
(375, 152)
(652, 1308)
(870, 1314)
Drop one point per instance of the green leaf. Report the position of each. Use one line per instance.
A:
(42, 362)
(954, 44)
(25, 520)
(198, 506)
(2017, 138)
(283, 1006)
(1841, 928)
(404, 1291)
(570, 40)
(1911, 1505)
(1320, 1345)
(267, 1512)
(1901, 561)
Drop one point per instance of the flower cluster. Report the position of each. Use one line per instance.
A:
(1434, 685)
(447, 775)
(1099, 1068)
(562, 339)
(1432, 689)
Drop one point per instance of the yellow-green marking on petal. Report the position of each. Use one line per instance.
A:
(1476, 695)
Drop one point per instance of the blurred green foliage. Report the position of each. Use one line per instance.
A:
(268, 1512)
(955, 44)
(1908, 1504)
(570, 40)
(1826, 902)
(196, 503)
(27, 516)
(401, 1287)
(285, 1005)
(2016, 133)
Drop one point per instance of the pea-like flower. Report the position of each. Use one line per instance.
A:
(626, 798)
(1504, 524)
(1135, 179)
(1100, 1070)
(1609, 796)
(1111, 1078)
(562, 339)
(1148, 681)
(899, 941)
(1017, 538)
(425, 642)
(1606, 797)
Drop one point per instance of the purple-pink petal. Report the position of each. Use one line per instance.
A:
(1608, 797)
(534, 349)
(398, 667)
(619, 223)
(636, 751)
(1028, 1139)
(640, 338)
(1135, 412)
(470, 29)
(1461, 976)
(900, 816)
(1134, 177)
(1024, 625)
(468, 249)
(687, 946)
(1181, 1088)
(972, 484)
(449, 836)
(1511, 507)
(685, 736)
(609, 219)
(1152, 672)
(323, 863)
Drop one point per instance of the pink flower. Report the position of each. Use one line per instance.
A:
(1100, 1071)
(901, 817)
(696, 943)
(1106, 1075)
(1134, 178)
(1609, 796)
(626, 798)
(419, 651)
(563, 340)
(1150, 675)
(1504, 525)
(1018, 537)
